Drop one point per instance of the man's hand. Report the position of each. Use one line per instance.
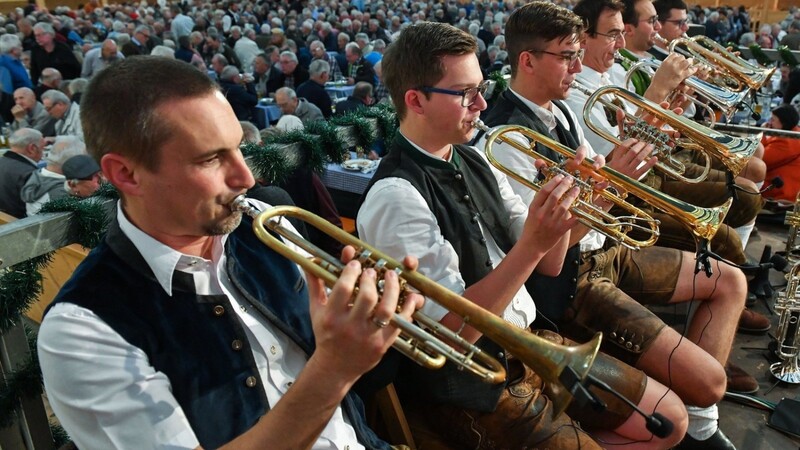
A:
(631, 158)
(352, 334)
(18, 112)
(549, 217)
(673, 71)
(350, 81)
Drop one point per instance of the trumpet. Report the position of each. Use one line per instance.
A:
(549, 360)
(734, 152)
(726, 100)
(702, 222)
(741, 75)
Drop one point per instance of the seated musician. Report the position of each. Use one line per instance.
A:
(437, 197)
(181, 330)
(612, 285)
(782, 154)
(712, 192)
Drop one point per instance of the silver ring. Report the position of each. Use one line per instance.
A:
(380, 323)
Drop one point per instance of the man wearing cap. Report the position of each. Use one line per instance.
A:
(83, 175)
(16, 166)
(50, 182)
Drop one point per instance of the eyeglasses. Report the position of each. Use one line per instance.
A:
(571, 58)
(652, 21)
(468, 95)
(613, 36)
(678, 22)
(48, 108)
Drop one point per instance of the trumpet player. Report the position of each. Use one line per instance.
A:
(180, 330)
(439, 198)
(607, 289)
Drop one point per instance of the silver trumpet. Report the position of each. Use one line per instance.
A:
(788, 333)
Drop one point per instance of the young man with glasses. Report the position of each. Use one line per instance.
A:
(674, 20)
(604, 287)
(440, 199)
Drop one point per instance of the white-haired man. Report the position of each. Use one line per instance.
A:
(318, 52)
(10, 52)
(67, 114)
(99, 58)
(50, 183)
(313, 90)
(287, 100)
(50, 53)
(16, 166)
(30, 113)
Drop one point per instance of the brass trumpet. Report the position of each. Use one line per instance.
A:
(734, 152)
(549, 360)
(702, 222)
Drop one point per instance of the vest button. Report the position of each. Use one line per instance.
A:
(576, 262)
(571, 297)
(466, 197)
(273, 350)
(488, 263)
(458, 176)
(236, 345)
(628, 345)
(219, 310)
(483, 240)
(251, 381)
(501, 355)
(574, 280)
(474, 218)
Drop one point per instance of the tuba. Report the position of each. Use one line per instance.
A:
(734, 152)
(702, 222)
(548, 359)
(788, 333)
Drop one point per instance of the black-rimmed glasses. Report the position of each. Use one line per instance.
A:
(680, 23)
(613, 36)
(468, 95)
(571, 58)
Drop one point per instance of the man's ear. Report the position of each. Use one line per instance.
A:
(122, 173)
(413, 101)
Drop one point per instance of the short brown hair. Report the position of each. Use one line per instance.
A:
(414, 59)
(532, 26)
(118, 109)
(590, 10)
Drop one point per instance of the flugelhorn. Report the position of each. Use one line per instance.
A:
(549, 360)
(724, 99)
(702, 222)
(734, 152)
(787, 336)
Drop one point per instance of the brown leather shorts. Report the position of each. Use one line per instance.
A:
(613, 287)
(523, 418)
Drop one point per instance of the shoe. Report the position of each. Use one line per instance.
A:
(740, 381)
(717, 441)
(753, 322)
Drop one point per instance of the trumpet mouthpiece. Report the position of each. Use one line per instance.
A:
(478, 124)
(239, 204)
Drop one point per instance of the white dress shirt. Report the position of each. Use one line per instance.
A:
(104, 390)
(396, 219)
(523, 164)
(576, 101)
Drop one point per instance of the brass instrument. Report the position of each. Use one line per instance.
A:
(760, 131)
(788, 333)
(742, 74)
(726, 100)
(793, 220)
(702, 222)
(734, 152)
(549, 360)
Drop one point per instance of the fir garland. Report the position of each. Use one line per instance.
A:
(332, 144)
(787, 56)
(365, 133)
(759, 55)
(501, 83)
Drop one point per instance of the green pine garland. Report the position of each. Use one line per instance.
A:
(501, 83)
(387, 120)
(330, 141)
(364, 131)
(787, 56)
(20, 285)
(759, 55)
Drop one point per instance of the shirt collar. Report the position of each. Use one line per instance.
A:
(162, 259)
(545, 115)
(592, 78)
(428, 154)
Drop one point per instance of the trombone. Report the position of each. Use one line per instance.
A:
(548, 359)
(734, 152)
(702, 222)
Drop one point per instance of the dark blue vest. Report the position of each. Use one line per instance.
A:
(552, 294)
(198, 341)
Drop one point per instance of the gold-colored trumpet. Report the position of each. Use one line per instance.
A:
(702, 222)
(734, 152)
(730, 66)
(548, 359)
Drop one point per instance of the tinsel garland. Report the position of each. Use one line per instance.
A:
(787, 56)
(21, 284)
(759, 55)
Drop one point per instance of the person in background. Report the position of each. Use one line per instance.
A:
(30, 113)
(83, 175)
(10, 53)
(66, 113)
(239, 93)
(16, 165)
(313, 90)
(782, 154)
(98, 59)
(49, 183)
(287, 100)
(362, 97)
(50, 53)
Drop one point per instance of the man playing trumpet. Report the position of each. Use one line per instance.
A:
(439, 198)
(601, 290)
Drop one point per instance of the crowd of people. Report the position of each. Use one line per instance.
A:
(181, 330)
